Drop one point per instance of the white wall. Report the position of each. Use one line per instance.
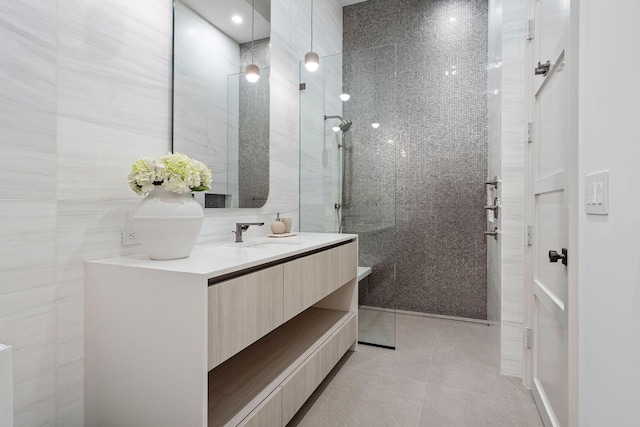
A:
(609, 265)
(84, 92)
(505, 272)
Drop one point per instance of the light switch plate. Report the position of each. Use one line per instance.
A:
(596, 195)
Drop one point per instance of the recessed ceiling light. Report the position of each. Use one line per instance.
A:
(375, 125)
(237, 19)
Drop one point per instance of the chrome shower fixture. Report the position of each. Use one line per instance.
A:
(344, 125)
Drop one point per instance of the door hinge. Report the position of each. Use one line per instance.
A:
(529, 337)
(303, 86)
(529, 235)
(531, 29)
(530, 132)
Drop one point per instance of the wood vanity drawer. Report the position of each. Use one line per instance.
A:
(297, 388)
(347, 262)
(268, 413)
(243, 310)
(346, 336)
(309, 279)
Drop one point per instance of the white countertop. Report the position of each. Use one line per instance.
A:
(223, 258)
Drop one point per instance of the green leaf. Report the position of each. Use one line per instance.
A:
(200, 188)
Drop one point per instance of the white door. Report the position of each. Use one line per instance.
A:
(548, 184)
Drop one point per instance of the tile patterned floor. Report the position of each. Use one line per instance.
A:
(444, 373)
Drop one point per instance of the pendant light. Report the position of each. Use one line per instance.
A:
(252, 72)
(311, 58)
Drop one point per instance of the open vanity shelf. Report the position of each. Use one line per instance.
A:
(214, 340)
(249, 377)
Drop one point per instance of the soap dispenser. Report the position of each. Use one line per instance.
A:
(277, 226)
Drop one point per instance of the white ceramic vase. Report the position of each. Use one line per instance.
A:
(168, 224)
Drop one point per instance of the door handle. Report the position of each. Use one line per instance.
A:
(554, 256)
(542, 69)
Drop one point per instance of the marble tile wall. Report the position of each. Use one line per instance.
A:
(440, 150)
(113, 103)
(513, 154)
(494, 147)
(506, 153)
(85, 90)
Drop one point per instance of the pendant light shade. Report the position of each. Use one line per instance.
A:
(311, 61)
(252, 73)
(311, 58)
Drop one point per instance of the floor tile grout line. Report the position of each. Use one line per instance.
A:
(486, 395)
(430, 366)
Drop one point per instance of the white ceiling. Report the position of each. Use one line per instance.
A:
(219, 13)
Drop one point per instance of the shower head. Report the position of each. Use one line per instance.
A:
(344, 125)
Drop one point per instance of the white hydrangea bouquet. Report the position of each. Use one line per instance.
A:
(175, 172)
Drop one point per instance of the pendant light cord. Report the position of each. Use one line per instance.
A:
(311, 25)
(253, 12)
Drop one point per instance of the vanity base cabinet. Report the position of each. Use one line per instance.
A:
(167, 344)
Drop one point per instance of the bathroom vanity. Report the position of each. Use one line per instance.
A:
(236, 334)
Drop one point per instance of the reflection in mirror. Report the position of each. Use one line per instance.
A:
(219, 117)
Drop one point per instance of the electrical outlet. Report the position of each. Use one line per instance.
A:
(129, 236)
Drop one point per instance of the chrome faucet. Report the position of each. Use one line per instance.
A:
(243, 226)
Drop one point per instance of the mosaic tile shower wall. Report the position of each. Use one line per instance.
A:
(369, 210)
(253, 145)
(432, 161)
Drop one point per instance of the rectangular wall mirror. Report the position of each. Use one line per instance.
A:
(219, 117)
